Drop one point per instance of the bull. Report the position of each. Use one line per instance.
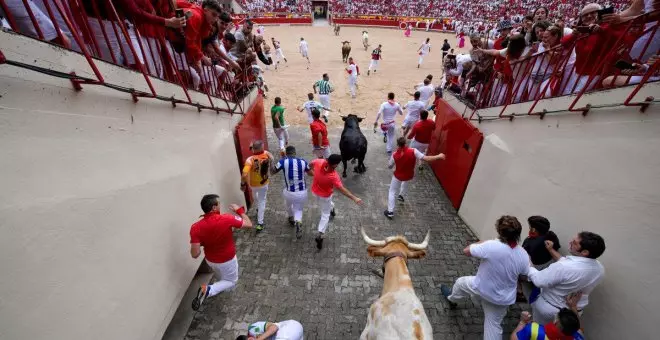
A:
(398, 313)
(353, 144)
(345, 50)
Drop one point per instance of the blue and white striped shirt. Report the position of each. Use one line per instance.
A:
(294, 173)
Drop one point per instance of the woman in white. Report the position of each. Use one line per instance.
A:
(283, 330)
(513, 71)
(423, 50)
(548, 61)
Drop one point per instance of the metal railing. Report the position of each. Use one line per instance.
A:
(98, 31)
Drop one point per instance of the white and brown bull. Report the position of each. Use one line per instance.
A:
(397, 314)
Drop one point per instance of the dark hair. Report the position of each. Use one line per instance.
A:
(547, 13)
(290, 150)
(593, 243)
(509, 228)
(212, 4)
(230, 37)
(569, 322)
(316, 113)
(556, 31)
(334, 159)
(429, 77)
(242, 337)
(225, 17)
(278, 100)
(529, 17)
(417, 95)
(325, 75)
(540, 223)
(310, 96)
(423, 114)
(543, 24)
(427, 81)
(208, 202)
(428, 39)
(390, 96)
(516, 46)
(401, 141)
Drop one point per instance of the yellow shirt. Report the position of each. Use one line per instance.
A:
(257, 168)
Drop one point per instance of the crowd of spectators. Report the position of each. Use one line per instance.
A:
(275, 6)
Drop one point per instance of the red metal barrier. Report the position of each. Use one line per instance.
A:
(252, 127)
(461, 142)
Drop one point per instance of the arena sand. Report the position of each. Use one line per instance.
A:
(397, 71)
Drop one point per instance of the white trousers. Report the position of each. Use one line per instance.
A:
(373, 65)
(325, 101)
(322, 152)
(295, 203)
(397, 187)
(282, 136)
(352, 84)
(326, 205)
(581, 82)
(421, 147)
(654, 45)
(227, 275)
(24, 22)
(391, 136)
(115, 43)
(152, 53)
(421, 58)
(493, 314)
(259, 194)
(543, 312)
(279, 55)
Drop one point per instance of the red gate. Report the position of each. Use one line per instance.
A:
(250, 128)
(461, 142)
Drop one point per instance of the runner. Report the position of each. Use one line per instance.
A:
(426, 90)
(255, 176)
(414, 107)
(214, 233)
(365, 40)
(295, 187)
(278, 52)
(279, 126)
(353, 72)
(319, 131)
(423, 50)
(326, 180)
(376, 57)
(421, 133)
(304, 51)
(445, 49)
(325, 88)
(388, 110)
(312, 104)
(403, 161)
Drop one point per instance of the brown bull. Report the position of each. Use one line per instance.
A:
(345, 50)
(398, 313)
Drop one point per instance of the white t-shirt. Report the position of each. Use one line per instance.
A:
(309, 105)
(500, 267)
(303, 45)
(389, 111)
(286, 330)
(414, 107)
(425, 92)
(426, 48)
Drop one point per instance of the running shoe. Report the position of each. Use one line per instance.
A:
(388, 214)
(259, 228)
(446, 292)
(333, 213)
(291, 221)
(400, 198)
(202, 294)
(325, 118)
(319, 242)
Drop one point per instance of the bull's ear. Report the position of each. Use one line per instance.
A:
(343, 118)
(416, 254)
(360, 120)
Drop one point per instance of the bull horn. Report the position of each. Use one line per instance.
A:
(423, 245)
(371, 242)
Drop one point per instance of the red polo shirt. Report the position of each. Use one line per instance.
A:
(214, 233)
(324, 181)
(422, 131)
(316, 127)
(196, 29)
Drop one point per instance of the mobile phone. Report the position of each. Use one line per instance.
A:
(179, 13)
(583, 29)
(604, 11)
(624, 65)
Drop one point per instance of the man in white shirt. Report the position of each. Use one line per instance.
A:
(426, 91)
(388, 110)
(423, 50)
(503, 261)
(311, 104)
(414, 107)
(304, 50)
(283, 330)
(578, 272)
(353, 73)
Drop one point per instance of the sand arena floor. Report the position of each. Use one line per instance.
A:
(397, 71)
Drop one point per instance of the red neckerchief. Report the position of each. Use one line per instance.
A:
(533, 234)
(553, 333)
(512, 244)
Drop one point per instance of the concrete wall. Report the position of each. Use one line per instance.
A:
(599, 173)
(98, 194)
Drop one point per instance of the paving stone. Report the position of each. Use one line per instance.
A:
(330, 291)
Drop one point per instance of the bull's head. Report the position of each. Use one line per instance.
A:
(396, 244)
(352, 121)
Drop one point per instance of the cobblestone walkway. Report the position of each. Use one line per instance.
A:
(330, 291)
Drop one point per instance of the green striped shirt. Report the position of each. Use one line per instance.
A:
(324, 86)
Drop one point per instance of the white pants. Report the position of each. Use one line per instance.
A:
(581, 83)
(283, 137)
(290, 330)
(543, 312)
(493, 314)
(391, 136)
(409, 122)
(326, 205)
(22, 19)
(324, 152)
(260, 196)
(279, 55)
(116, 43)
(654, 45)
(227, 275)
(373, 65)
(304, 54)
(352, 84)
(325, 101)
(421, 147)
(397, 187)
(295, 202)
(421, 58)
